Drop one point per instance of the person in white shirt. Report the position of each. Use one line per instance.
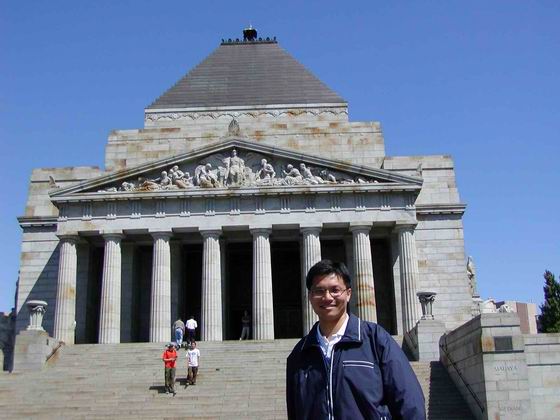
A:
(191, 329)
(193, 358)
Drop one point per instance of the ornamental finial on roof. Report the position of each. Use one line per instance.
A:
(249, 34)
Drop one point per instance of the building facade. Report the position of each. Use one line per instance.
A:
(247, 172)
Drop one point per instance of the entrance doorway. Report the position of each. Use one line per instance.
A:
(238, 296)
(286, 289)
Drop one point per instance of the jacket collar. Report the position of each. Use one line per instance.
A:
(353, 333)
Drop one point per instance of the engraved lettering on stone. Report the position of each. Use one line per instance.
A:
(506, 367)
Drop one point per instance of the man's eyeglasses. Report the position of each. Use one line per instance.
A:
(334, 292)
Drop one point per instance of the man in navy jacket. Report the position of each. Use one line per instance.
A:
(346, 368)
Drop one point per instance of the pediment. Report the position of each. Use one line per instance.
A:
(236, 165)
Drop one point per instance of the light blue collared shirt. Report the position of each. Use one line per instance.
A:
(327, 344)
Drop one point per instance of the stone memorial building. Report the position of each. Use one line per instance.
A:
(247, 171)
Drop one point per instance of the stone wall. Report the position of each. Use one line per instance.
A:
(358, 142)
(442, 266)
(39, 246)
(439, 235)
(38, 203)
(438, 173)
(542, 352)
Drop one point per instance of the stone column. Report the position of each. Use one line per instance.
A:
(160, 302)
(110, 312)
(263, 309)
(409, 276)
(310, 256)
(65, 309)
(363, 273)
(211, 317)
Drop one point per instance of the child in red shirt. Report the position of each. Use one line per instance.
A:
(169, 357)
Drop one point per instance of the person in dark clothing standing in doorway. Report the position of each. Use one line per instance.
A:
(346, 368)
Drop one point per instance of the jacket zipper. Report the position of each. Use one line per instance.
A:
(331, 402)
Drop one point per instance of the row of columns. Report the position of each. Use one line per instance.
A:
(211, 316)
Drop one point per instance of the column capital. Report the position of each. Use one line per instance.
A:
(360, 227)
(210, 233)
(112, 234)
(309, 228)
(405, 226)
(261, 230)
(69, 237)
(160, 234)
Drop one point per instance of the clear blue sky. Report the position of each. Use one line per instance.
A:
(478, 80)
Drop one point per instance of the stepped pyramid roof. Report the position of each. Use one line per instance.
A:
(247, 73)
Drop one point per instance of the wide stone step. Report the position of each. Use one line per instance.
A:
(236, 380)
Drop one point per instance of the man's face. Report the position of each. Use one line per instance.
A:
(327, 307)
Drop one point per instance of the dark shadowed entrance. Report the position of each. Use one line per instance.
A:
(286, 286)
(239, 279)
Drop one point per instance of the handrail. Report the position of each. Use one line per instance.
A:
(473, 394)
(54, 351)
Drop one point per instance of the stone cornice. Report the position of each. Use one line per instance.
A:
(425, 209)
(37, 221)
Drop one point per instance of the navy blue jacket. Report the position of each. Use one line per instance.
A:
(369, 377)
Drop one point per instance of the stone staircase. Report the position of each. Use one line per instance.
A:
(237, 379)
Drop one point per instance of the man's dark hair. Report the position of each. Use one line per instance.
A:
(326, 267)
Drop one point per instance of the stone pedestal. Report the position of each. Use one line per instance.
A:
(263, 309)
(110, 311)
(65, 309)
(409, 276)
(32, 348)
(211, 317)
(363, 273)
(160, 302)
(488, 354)
(310, 256)
(37, 309)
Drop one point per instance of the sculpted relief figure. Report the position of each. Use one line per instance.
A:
(146, 185)
(308, 175)
(235, 173)
(471, 274)
(205, 176)
(180, 179)
(266, 173)
(292, 176)
(235, 170)
(328, 176)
